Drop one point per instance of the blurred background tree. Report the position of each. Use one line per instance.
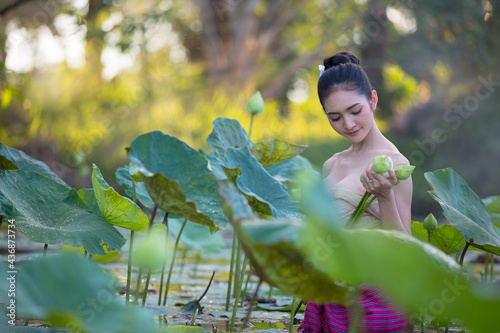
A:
(81, 79)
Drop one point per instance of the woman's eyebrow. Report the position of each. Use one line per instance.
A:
(346, 109)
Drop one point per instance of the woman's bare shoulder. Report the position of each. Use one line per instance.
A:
(331, 162)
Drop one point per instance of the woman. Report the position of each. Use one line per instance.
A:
(349, 103)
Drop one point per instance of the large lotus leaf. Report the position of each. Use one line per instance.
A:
(277, 255)
(227, 133)
(493, 206)
(264, 193)
(177, 178)
(445, 237)
(124, 178)
(116, 209)
(417, 275)
(71, 292)
(88, 197)
(195, 236)
(13, 159)
(464, 209)
(48, 212)
(288, 170)
(276, 151)
(214, 165)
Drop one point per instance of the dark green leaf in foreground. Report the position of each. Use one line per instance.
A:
(48, 212)
(124, 178)
(276, 151)
(177, 178)
(227, 133)
(116, 209)
(71, 292)
(445, 237)
(264, 193)
(276, 254)
(464, 209)
(13, 159)
(417, 275)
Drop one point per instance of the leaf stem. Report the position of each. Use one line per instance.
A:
(250, 306)
(231, 268)
(130, 250)
(172, 262)
(165, 222)
(292, 316)
(463, 253)
(492, 269)
(251, 126)
(237, 284)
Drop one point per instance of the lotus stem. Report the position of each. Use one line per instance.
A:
(172, 262)
(250, 307)
(237, 268)
(45, 249)
(360, 209)
(231, 267)
(463, 253)
(244, 295)
(148, 278)
(139, 276)
(194, 317)
(165, 222)
(251, 126)
(197, 261)
(206, 289)
(237, 284)
(429, 236)
(270, 291)
(129, 267)
(292, 316)
(130, 250)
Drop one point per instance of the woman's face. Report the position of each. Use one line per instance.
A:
(350, 114)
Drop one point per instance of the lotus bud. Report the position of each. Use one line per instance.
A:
(482, 272)
(430, 222)
(382, 164)
(255, 104)
(403, 171)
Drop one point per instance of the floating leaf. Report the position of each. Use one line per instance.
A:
(464, 209)
(445, 237)
(227, 133)
(276, 151)
(69, 291)
(265, 194)
(48, 212)
(124, 178)
(177, 178)
(276, 254)
(182, 329)
(116, 209)
(13, 159)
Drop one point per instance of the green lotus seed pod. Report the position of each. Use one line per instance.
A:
(430, 222)
(382, 164)
(482, 272)
(403, 171)
(361, 178)
(255, 104)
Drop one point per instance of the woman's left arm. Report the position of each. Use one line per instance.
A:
(394, 201)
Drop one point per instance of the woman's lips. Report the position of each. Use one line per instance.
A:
(354, 133)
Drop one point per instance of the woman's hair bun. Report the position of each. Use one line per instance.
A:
(340, 58)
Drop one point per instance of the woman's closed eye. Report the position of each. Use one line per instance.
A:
(338, 118)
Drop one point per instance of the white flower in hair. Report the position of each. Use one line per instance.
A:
(321, 69)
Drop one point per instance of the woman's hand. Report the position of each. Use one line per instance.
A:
(377, 184)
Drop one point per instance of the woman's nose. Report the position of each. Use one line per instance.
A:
(349, 123)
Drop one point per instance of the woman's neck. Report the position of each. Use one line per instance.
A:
(373, 141)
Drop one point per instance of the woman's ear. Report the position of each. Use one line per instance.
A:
(374, 100)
